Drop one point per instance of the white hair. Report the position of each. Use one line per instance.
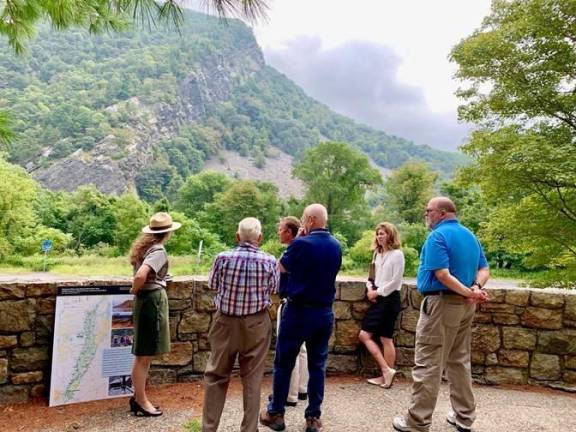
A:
(249, 229)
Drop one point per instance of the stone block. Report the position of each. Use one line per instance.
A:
(570, 362)
(29, 359)
(517, 297)
(497, 307)
(569, 377)
(342, 310)
(204, 301)
(497, 295)
(8, 341)
(179, 305)
(485, 339)
(42, 289)
(3, 370)
(27, 339)
(12, 292)
(18, 315)
(483, 318)
(518, 338)
(477, 358)
(44, 329)
(352, 291)
(570, 307)
(569, 324)
(545, 367)
(359, 309)
(513, 358)
(416, 299)
(27, 377)
(542, 318)
(46, 306)
(11, 394)
(203, 343)
(409, 319)
(491, 359)
(405, 356)
(404, 338)
(180, 290)
(339, 364)
(39, 391)
(200, 361)
(194, 322)
(505, 319)
(505, 375)
(547, 300)
(347, 333)
(180, 355)
(557, 342)
(162, 376)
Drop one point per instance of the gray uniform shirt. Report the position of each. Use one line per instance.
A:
(157, 259)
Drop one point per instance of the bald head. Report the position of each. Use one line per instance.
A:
(438, 209)
(443, 204)
(315, 216)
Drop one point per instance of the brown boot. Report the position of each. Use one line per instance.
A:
(313, 424)
(273, 421)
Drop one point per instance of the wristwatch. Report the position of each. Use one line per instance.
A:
(478, 285)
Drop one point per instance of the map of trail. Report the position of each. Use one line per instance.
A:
(82, 333)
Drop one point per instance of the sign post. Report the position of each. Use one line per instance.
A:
(46, 246)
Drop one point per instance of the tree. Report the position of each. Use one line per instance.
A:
(5, 132)
(520, 70)
(18, 19)
(408, 190)
(245, 198)
(200, 189)
(337, 176)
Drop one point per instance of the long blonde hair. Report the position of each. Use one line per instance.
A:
(393, 239)
(142, 243)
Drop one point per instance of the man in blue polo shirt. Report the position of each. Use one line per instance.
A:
(312, 262)
(453, 271)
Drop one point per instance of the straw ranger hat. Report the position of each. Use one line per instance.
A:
(161, 223)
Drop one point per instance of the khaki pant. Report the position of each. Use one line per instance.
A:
(299, 377)
(248, 338)
(443, 338)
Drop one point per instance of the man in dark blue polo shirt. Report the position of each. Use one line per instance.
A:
(453, 270)
(312, 263)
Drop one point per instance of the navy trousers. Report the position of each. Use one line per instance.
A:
(312, 326)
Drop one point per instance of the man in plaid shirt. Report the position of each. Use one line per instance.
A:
(244, 278)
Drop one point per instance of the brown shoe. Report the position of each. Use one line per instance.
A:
(273, 421)
(313, 424)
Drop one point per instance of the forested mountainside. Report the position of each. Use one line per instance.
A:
(98, 109)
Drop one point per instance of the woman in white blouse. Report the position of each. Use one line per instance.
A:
(384, 293)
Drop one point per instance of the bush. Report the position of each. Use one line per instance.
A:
(360, 253)
(274, 247)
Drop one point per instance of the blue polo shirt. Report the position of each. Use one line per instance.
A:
(449, 246)
(312, 263)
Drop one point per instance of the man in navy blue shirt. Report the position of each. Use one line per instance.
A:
(451, 277)
(312, 262)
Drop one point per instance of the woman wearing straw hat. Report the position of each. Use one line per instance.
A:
(151, 328)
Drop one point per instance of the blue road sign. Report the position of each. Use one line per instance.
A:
(46, 245)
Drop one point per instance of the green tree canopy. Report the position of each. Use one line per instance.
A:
(408, 190)
(200, 189)
(519, 70)
(338, 176)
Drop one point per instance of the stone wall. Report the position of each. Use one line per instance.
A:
(521, 337)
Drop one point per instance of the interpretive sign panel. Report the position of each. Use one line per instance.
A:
(93, 334)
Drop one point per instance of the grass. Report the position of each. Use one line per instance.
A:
(194, 425)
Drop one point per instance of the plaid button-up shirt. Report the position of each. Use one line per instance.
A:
(244, 279)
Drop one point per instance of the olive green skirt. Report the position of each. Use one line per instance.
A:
(151, 326)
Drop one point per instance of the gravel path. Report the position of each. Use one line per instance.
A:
(350, 405)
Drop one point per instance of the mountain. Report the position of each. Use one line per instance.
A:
(145, 109)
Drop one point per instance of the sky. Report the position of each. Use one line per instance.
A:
(381, 62)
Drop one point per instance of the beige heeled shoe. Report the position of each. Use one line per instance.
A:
(388, 378)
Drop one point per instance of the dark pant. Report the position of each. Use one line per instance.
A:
(312, 326)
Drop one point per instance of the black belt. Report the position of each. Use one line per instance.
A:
(438, 292)
(304, 304)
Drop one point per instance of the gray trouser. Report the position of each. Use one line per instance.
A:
(443, 338)
(248, 338)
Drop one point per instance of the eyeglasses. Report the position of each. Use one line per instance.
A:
(432, 210)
